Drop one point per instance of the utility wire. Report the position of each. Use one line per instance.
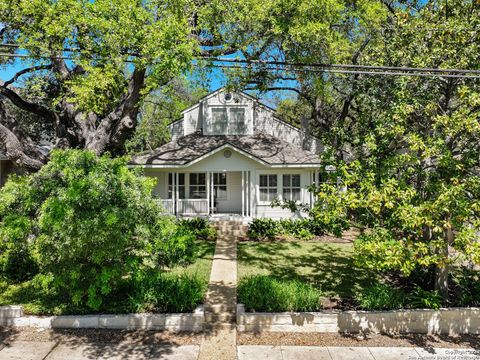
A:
(349, 66)
(319, 68)
(359, 72)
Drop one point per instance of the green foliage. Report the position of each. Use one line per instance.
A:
(266, 228)
(146, 34)
(159, 109)
(261, 228)
(91, 223)
(381, 297)
(424, 299)
(200, 227)
(268, 294)
(467, 287)
(293, 111)
(168, 293)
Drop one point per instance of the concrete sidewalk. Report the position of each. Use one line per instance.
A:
(81, 350)
(257, 352)
(50, 350)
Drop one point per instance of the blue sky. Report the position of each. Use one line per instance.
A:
(215, 81)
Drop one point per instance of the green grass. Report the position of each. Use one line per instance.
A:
(42, 302)
(327, 266)
(202, 266)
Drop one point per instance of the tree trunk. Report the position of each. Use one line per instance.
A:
(442, 269)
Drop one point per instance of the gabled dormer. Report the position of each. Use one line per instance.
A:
(224, 113)
(220, 113)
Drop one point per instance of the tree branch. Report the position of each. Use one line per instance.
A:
(26, 71)
(26, 105)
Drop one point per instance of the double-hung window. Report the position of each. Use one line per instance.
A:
(228, 120)
(220, 186)
(236, 123)
(181, 186)
(291, 187)
(268, 188)
(198, 186)
(219, 121)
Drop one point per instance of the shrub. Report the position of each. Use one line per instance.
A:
(16, 259)
(270, 229)
(268, 294)
(200, 227)
(381, 297)
(424, 299)
(168, 293)
(467, 283)
(91, 223)
(263, 229)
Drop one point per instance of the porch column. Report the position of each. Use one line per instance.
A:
(208, 191)
(312, 179)
(212, 199)
(243, 193)
(175, 192)
(249, 187)
(316, 183)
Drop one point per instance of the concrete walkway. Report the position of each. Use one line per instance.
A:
(220, 338)
(353, 353)
(50, 350)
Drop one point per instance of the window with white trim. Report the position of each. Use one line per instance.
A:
(291, 187)
(198, 186)
(181, 185)
(220, 186)
(219, 120)
(268, 187)
(228, 120)
(236, 123)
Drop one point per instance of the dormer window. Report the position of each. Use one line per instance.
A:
(228, 120)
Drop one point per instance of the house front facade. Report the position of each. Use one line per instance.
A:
(230, 155)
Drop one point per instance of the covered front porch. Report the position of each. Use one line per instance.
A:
(209, 193)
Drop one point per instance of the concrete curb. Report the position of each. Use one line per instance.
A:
(13, 316)
(452, 321)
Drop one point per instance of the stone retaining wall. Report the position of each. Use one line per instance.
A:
(13, 316)
(450, 321)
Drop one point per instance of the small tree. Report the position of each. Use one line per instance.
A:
(91, 223)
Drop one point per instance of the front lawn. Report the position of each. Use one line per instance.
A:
(328, 267)
(37, 300)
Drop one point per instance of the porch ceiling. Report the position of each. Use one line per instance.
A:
(265, 149)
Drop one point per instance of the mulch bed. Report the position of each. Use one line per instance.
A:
(352, 340)
(10, 334)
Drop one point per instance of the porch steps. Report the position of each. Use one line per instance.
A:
(231, 228)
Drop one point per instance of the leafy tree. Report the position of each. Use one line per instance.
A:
(91, 224)
(99, 58)
(159, 109)
(415, 142)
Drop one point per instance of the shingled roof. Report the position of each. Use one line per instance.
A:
(267, 149)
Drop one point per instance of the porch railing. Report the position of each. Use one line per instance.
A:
(186, 206)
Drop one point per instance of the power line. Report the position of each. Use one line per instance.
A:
(319, 68)
(359, 72)
(341, 66)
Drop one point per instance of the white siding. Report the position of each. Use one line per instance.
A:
(192, 120)
(176, 130)
(258, 119)
(160, 190)
(266, 122)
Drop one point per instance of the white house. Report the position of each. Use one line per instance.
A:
(229, 154)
